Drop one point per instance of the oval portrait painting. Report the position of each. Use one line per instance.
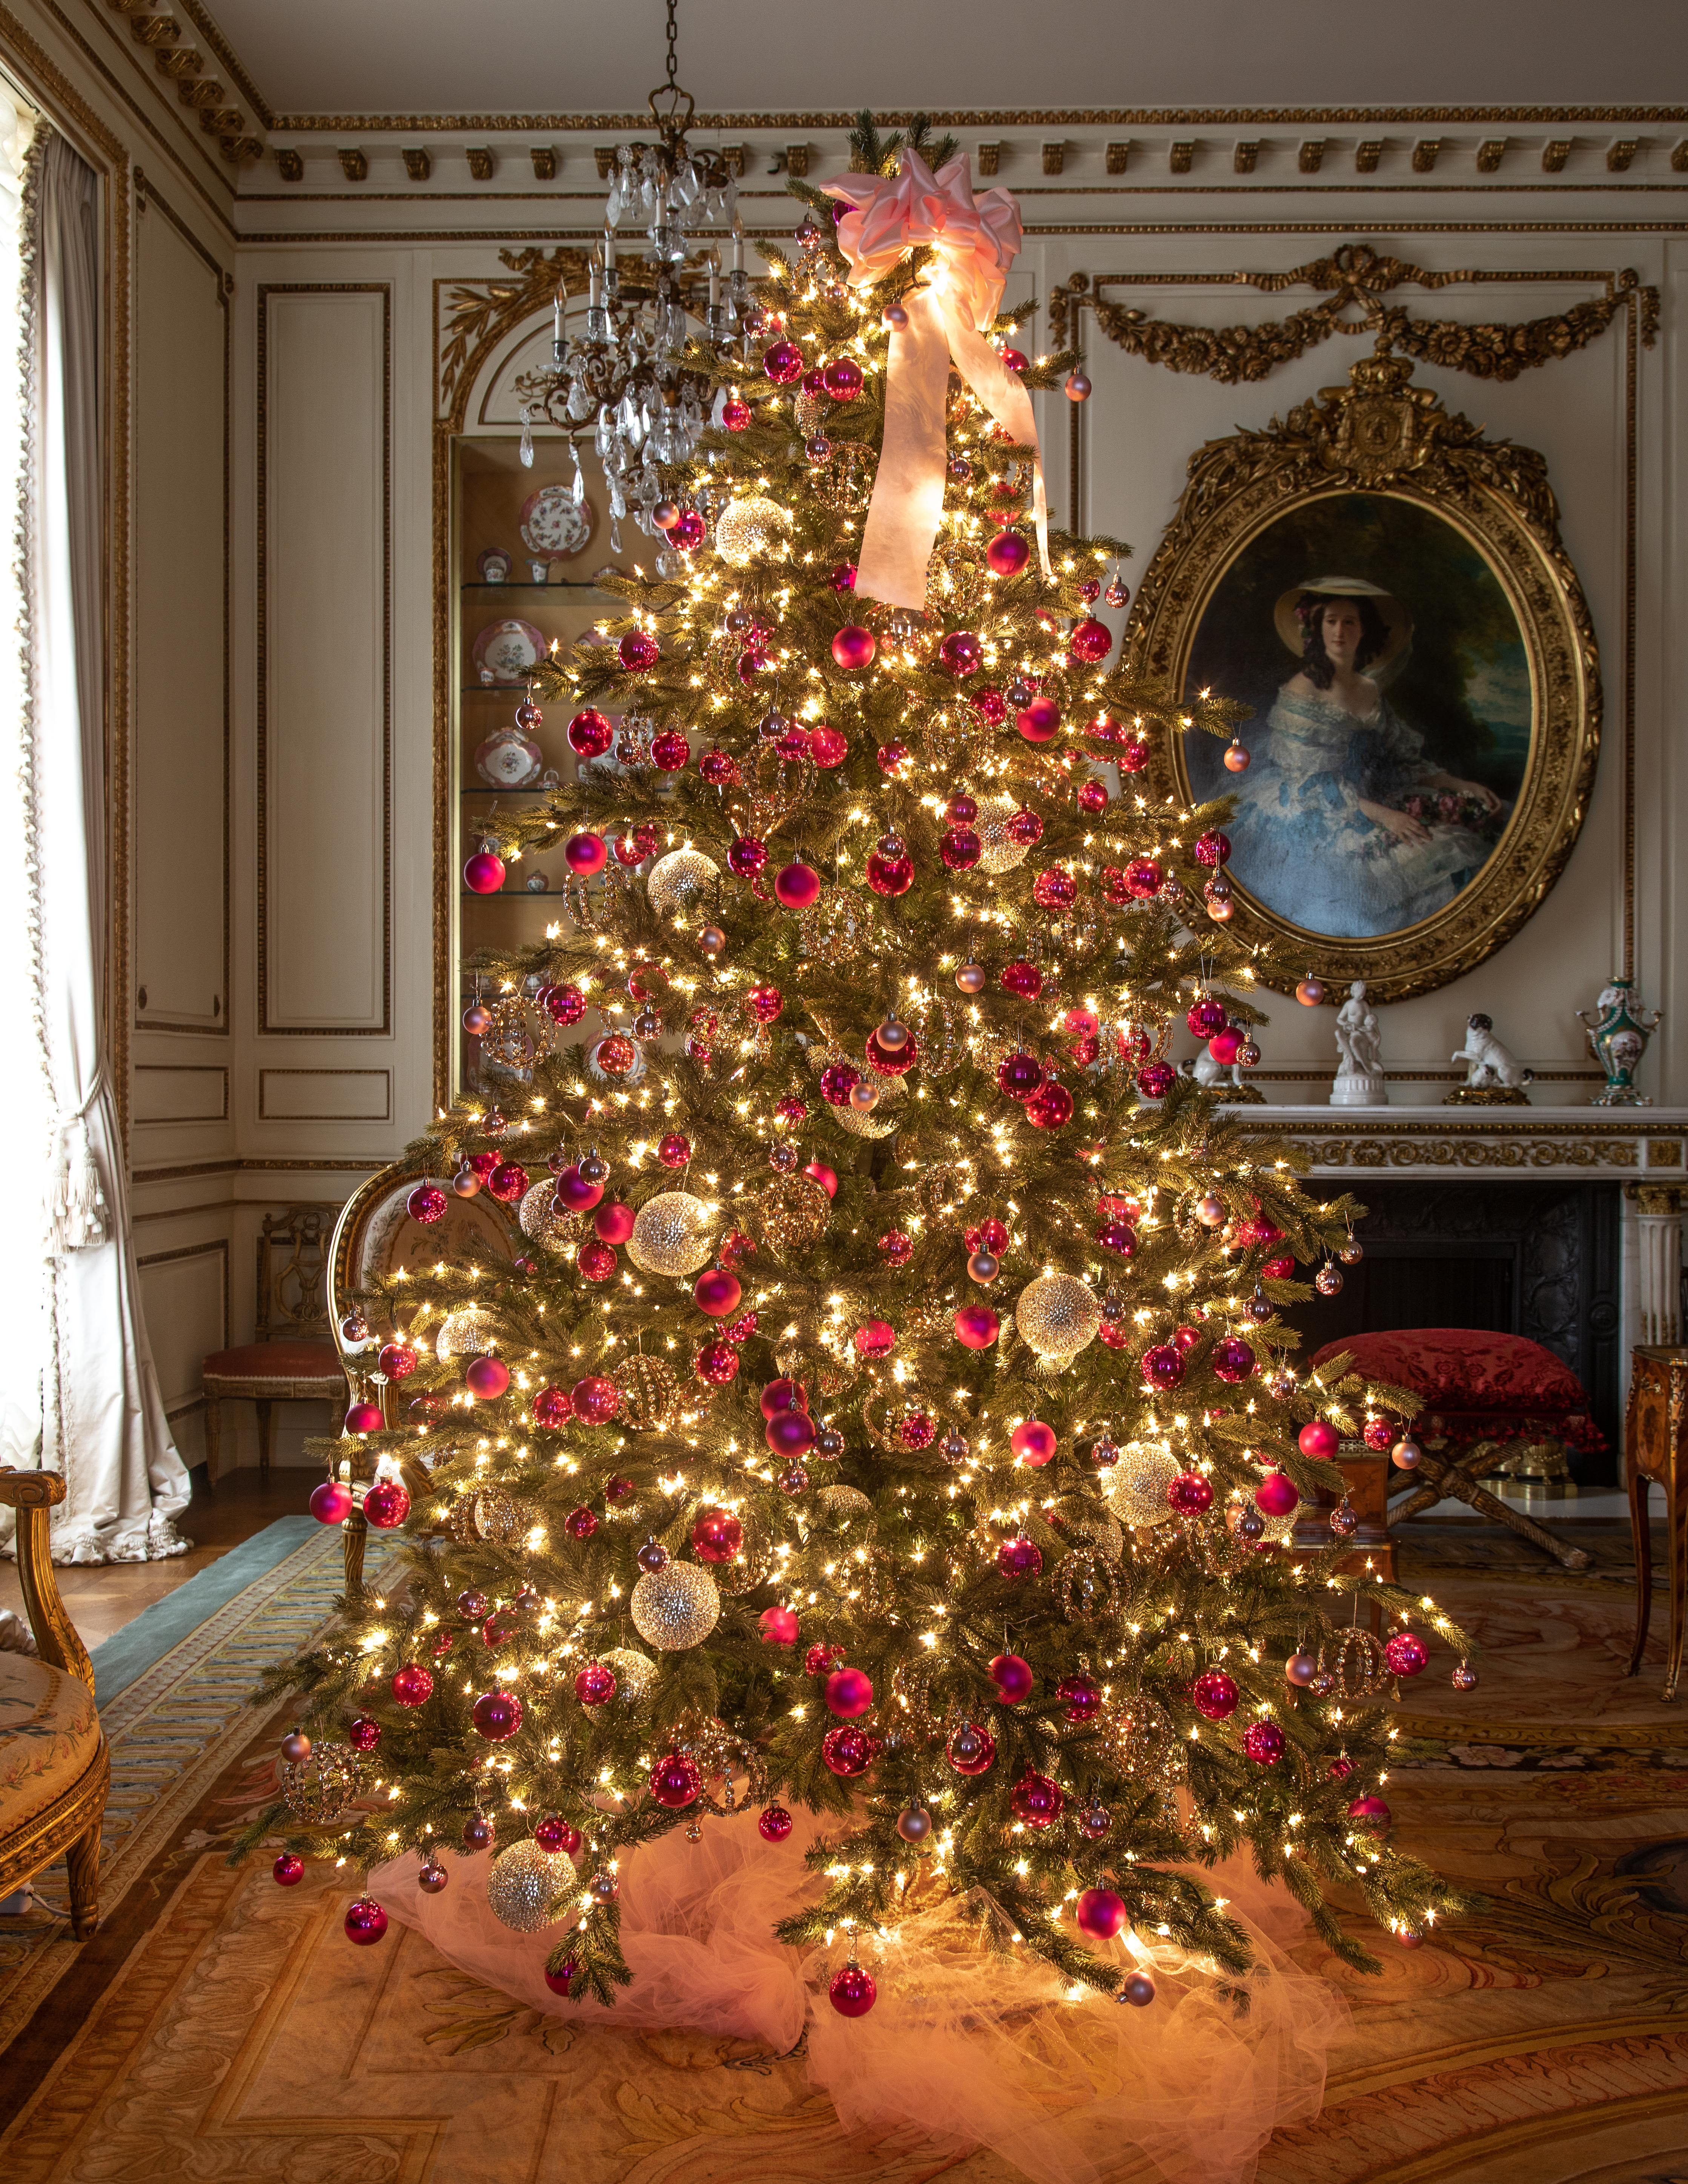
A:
(1390, 679)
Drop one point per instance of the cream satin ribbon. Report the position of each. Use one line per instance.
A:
(975, 241)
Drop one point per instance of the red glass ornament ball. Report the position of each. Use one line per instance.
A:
(1100, 1913)
(686, 534)
(848, 1751)
(717, 1292)
(1015, 360)
(827, 747)
(487, 1378)
(1232, 1359)
(496, 1715)
(841, 378)
(1163, 1365)
(1206, 1016)
(717, 1362)
(1039, 721)
(561, 1981)
(1378, 1435)
(1370, 1813)
(1033, 1442)
(789, 1432)
(1134, 756)
(1019, 1558)
(1276, 1495)
(1117, 1238)
(1055, 888)
(412, 1686)
(1019, 1075)
(720, 769)
(971, 1750)
(1190, 1494)
(797, 885)
(717, 1536)
(363, 1418)
(670, 751)
(613, 1224)
(596, 1261)
(1007, 553)
(398, 1360)
(1319, 1439)
(1081, 1696)
(735, 416)
(580, 1524)
(976, 1327)
(777, 1396)
(1214, 1694)
(675, 1781)
(960, 849)
(363, 1735)
(822, 1658)
(854, 647)
(773, 1824)
(595, 1685)
(875, 1338)
(960, 653)
(890, 874)
(1263, 1743)
(585, 854)
(842, 579)
(484, 873)
(778, 1626)
(1092, 797)
(1050, 1107)
(590, 734)
(1090, 640)
(990, 706)
(595, 1399)
(365, 1921)
(1280, 1268)
(1143, 879)
(427, 1204)
(986, 1235)
(818, 1172)
(1013, 1678)
(848, 1693)
(386, 1505)
(564, 1005)
(1226, 1045)
(288, 1870)
(1406, 1654)
(556, 1838)
(674, 1149)
(852, 1992)
(895, 1248)
(1036, 1800)
(551, 1407)
(782, 362)
(1213, 849)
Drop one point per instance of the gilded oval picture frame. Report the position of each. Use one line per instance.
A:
(1385, 590)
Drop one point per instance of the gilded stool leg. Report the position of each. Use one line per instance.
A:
(83, 1860)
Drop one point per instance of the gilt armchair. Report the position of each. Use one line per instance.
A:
(54, 1766)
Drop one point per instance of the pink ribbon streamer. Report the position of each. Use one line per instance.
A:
(975, 241)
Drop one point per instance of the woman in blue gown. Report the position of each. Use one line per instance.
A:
(1322, 836)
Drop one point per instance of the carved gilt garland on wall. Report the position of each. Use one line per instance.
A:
(1357, 280)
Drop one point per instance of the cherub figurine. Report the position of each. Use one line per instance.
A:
(1493, 1076)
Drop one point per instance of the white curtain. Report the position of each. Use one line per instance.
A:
(101, 1420)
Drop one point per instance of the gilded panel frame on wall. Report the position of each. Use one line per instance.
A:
(1394, 443)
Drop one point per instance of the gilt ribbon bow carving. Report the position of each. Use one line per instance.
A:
(975, 241)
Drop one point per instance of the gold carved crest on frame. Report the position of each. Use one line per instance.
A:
(1402, 819)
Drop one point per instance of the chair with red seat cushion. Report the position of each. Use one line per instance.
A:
(295, 1359)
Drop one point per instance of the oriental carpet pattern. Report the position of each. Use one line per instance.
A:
(220, 2027)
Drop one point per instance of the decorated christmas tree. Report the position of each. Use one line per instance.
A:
(888, 1414)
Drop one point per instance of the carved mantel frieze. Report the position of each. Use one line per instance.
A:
(1523, 1141)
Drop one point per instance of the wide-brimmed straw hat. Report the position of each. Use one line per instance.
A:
(1398, 621)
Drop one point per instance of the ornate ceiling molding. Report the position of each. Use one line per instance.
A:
(1143, 117)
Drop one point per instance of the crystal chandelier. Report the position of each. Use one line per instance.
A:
(628, 375)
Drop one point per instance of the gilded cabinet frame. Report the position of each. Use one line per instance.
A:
(1384, 437)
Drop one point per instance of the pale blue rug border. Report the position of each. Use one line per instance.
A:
(130, 1651)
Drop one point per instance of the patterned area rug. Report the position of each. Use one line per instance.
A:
(220, 2027)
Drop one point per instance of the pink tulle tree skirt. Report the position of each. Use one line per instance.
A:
(962, 2043)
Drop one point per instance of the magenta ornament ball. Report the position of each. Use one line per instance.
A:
(585, 854)
(1012, 1677)
(637, 651)
(1190, 1494)
(1205, 1016)
(555, 1837)
(1100, 1914)
(363, 1418)
(1226, 1045)
(782, 362)
(386, 1505)
(1081, 1696)
(595, 1685)
(971, 1749)
(412, 1685)
(717, 1293)
(561, 1981)
(778, 1626)
(847, 1750)
(288, 1870)
(774, 1824)
(573, 1194)
(960, 653)
(848, 1692)
(331, 1503)
(1007, 553)
(1090, 640)
(1039, 721)
(790, 1433)
(487, 1378)
(590, 734)
(675, 1781)
(717, 1536)
(1318, 1438)
(777, 1397)
(1214, 1694)
(427, 1204)
(670, 751)
(1033, 1442)
(614, 1224)
(1163, 1366)
(852, 1993)
(1021, 1557)
(1276, 1495)
(1036, 1800)
(976, 1327)
(1263, 1743)
(1156, 1079)
(496, 1715)
(484, 874)
(1370, 1813)
(797, 885)
(1406, 1654)
(1232, 1359)
(854, 647)
(365, 1921)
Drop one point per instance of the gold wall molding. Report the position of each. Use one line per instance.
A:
(1381, 435)
(1355, 279)
(477, 314)
(1464, 1152)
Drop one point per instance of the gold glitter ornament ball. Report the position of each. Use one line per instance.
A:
(675, 1607)
(842, 1500)
(633, 1671)
(522, 1885)
(752, 528)
(673, 1234)
(319, 1787)
(997, 854)
(1057, 1316)
(650, 1391)
(466, 1331)
(681, 878)
(1136, 1486)
(550, 1231)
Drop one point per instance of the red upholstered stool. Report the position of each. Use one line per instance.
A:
(1479, 1391)
(266, 1373)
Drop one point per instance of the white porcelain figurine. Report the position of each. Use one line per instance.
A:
(1359, 1043)
(1493, 1076)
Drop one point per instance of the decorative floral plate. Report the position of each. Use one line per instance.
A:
(508, 759)
(508, 650)
(553, 525)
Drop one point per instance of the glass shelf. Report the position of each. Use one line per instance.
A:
(510, 793)
(563, 584)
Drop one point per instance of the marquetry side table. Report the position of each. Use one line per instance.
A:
(1656, 1449)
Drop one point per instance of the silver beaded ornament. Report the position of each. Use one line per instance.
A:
(466, 1331)
(633, 1674)
(1136, 1486)
(551, 1231)
(842, 1500)
(997, 853)
(673, 1234)
(1057, 1316)
(751, 527)
(680, 879)
(523, 1884)
(319, 1787)
(676, 1607)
